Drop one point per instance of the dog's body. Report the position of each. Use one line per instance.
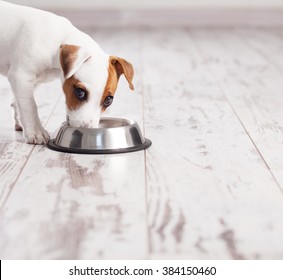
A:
(37, 46)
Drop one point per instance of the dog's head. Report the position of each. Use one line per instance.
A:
(90, 82)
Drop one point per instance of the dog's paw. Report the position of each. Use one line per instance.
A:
(38, 137)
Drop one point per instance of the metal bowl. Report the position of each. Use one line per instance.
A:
(114, 135)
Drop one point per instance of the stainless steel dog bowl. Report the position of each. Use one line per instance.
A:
(114, 135)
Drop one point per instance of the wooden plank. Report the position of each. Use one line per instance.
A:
(210, 194)
(253, 85)
(268, 43)
(76, 207)
(81, 206)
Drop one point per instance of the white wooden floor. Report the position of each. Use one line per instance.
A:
(210, 187)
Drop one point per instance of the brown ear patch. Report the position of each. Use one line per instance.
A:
(122, 66)
(68, 54)
(68, 87)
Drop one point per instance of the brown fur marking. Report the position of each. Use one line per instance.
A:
(117, 67)
(68, 87)
(68, 54)
(111, 84)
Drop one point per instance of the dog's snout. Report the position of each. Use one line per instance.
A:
(83, 123)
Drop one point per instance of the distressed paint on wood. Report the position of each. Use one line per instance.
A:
(268, 43)
(253, 87)
(206, 181)
(78, 207)
(203, 190)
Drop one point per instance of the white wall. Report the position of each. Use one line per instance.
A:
(154, 4)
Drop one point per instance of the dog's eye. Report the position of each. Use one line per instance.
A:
(80, 94)
(108, 101)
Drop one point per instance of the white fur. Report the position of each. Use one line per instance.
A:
(30, 40)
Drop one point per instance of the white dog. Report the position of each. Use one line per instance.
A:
(37, 46)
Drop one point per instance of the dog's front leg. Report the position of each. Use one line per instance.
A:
(23, 88)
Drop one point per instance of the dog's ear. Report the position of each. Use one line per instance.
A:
(71, 58)
(122, 66)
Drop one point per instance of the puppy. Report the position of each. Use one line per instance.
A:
(38, 46)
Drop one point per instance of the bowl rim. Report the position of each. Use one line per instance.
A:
(51, 145)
